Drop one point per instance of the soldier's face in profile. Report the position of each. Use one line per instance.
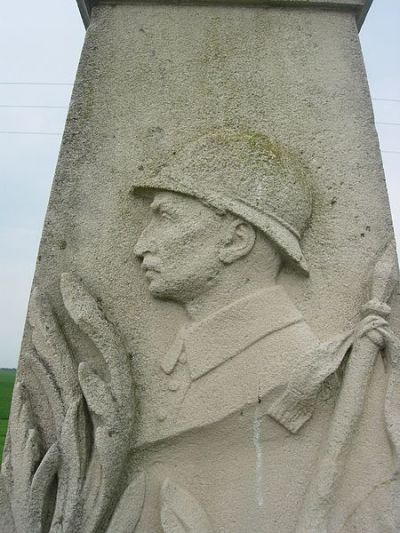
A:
(179, 248)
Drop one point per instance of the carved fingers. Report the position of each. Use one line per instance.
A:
(373, 327)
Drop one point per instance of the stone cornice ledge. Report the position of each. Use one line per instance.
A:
(360, 6)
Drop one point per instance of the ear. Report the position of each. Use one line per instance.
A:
(239, 242)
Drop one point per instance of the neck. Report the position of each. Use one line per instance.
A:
(227, 289)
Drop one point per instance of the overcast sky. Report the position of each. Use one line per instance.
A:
(41, 42)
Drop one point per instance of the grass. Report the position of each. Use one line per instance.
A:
(7, 379)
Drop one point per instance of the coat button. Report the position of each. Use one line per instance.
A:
(162, 415)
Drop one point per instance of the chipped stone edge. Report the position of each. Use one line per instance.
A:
(361, 6)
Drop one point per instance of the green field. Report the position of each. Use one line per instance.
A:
(7, 378)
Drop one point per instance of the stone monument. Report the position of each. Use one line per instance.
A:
(211, 336)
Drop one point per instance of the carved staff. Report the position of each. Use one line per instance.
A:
(369, 339)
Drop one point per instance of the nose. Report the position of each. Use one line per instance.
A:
(144, 244)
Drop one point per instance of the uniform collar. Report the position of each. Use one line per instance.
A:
(227, 332)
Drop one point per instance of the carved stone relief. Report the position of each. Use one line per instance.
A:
(227, 212)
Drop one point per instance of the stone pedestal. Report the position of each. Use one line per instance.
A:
(269, 404)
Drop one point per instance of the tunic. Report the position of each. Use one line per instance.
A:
(212, 435)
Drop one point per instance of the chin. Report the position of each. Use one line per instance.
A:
(161, 292)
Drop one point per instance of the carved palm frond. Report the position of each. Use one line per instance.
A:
(110, 403)
(41, 482)
(181, 512)
(22, 457)
(72, 470)
(129, 509)
(86, 477)
(53, 349)
(7, 518)
(55, 369)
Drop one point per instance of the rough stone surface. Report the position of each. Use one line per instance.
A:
(211, 338)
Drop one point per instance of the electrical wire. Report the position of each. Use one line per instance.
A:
(34, 83)
(388, 123)
(8, 132)
(386, 99)
(12, 106)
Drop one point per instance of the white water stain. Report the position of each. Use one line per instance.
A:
(259, 459)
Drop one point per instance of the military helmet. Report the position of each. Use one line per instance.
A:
(248, 175)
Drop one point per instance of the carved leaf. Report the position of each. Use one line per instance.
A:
(110, 404)
(41, 482)
(129, 509)
(48, 387)
(85, 312)
(73, 465)
(50, 369)
(181, 512)
(24, 455)
(7, 520)
(52, 347)
(97, 393)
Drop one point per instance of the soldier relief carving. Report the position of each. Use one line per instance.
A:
(246, 380)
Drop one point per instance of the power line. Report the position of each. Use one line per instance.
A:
(388, 123)
(390, 151)
(33, 83)
(6, 132)
(386, 99)
(9, 106)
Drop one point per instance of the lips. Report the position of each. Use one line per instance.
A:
(149, 274)
(150, 271)
(150, 267)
